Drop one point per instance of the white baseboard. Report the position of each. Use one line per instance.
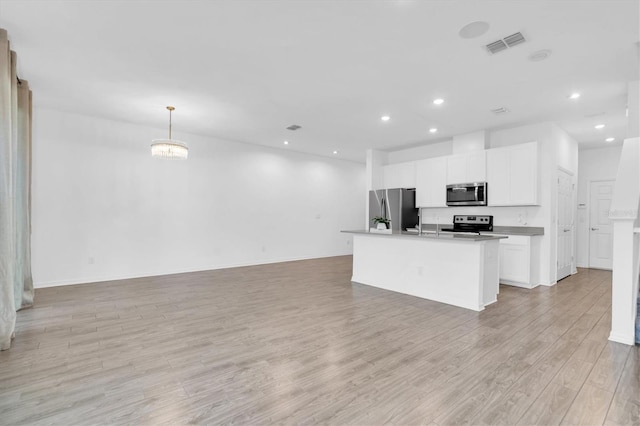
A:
(104, 278)
(625, 339)
(518, 284)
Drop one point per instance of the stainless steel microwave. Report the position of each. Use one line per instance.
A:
(467, 194)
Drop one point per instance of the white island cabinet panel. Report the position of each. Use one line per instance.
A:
(445, 269)
(431, 182)
(400, 175)
(512, 175)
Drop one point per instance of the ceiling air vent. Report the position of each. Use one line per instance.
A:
(505, 43)
(294, 127)
(514, 39)
(501, 110)
(496, 46)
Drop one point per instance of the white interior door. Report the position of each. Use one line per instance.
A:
(565, 224)
(600, 229)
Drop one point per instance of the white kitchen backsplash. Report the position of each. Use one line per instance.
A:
(502, 216)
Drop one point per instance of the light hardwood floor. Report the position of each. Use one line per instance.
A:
(297, 342)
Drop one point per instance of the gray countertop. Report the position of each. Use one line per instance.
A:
(530, 231)
(448, 236)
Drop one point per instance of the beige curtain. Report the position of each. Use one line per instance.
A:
(16, 284)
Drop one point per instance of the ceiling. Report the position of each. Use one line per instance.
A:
(244, 70)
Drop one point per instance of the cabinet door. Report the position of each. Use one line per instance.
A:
(477, 166)
(423, 180)
(431, 182)
(438, 185)
(401, 175)
(498, 177)
(523, 170)
(465, 168)
(512, 175)
(515, 259)
(457, 169)
(513, 264)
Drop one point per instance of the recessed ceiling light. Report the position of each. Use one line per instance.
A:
(610, 139)
(433, 130)
(438, 101)
(385, 118)
(599, 126)
(335, 152)
(474, 29)
(574, 95)
(540, 55)
(286, 142)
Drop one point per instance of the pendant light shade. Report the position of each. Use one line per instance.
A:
(169, 148)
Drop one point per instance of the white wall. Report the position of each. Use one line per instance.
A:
(541, 216)
(567, 159)
(594, 164)
(624, 217)
(470, 142)
(432, 150)
(557, 150)
(633, 105)
(104, 209)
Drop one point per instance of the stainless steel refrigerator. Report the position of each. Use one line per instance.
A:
(397, 205)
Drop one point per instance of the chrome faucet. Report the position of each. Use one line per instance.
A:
(419, 221)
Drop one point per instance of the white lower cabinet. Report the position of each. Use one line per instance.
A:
(518, 253)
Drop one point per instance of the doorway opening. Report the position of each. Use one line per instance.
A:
(600, 227)
(565, 231)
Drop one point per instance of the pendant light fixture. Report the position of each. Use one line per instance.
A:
(169, 148)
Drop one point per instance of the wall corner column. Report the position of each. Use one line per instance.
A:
(624, 281)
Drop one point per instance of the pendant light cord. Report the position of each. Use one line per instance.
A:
(170, 108)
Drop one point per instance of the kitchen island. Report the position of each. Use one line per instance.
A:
(457, 269)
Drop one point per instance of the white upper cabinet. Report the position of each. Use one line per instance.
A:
(400, 175)
(431, 182)
(524, 174)
(465, 168)
(512, 175)
(498, 181)
(457, 169)
(476, 167)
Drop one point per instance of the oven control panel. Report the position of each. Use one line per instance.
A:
(473, 220)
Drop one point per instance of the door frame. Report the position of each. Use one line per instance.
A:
(574, 208)
(591, 182)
